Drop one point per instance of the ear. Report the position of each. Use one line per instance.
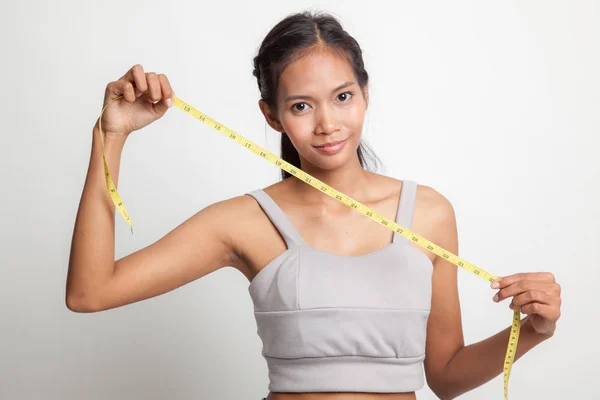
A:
(366, 96)
(270, 116)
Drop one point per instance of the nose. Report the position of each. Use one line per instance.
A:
(327, 122)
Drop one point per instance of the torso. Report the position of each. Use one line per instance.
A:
(258, 242)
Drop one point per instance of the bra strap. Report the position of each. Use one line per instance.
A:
(277, 217)
(406, 207)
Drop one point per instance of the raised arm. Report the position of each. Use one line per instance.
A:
(198, 246)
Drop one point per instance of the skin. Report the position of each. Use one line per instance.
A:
(205, 243)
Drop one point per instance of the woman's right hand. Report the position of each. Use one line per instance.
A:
(146, 97)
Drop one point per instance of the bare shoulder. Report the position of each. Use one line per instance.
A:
(427, 197)
(438, 207)
(435, 202)
(433, 216)
(248, 230)
(242, 212)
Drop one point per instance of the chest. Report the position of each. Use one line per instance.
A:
(395, 277)
(351, 236)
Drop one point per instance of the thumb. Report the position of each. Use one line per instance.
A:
(160, 107)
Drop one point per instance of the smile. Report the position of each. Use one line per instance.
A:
(333, 148)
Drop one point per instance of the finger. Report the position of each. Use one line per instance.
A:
(167, 90)
(128, 91)
(532, 296)
(154, 92)
(534, 276)
(113, 91)
(521, 287)
(550, 313)
(137, 77)
(117, 89)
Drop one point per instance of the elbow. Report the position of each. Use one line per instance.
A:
(445, 392)
(438, 390)
(81, 298)
(441, 388)
(442, 395)
(80, 304)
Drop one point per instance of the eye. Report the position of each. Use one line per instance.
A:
(347, 96)
(298, 109)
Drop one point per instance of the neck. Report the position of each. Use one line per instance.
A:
(350, 179)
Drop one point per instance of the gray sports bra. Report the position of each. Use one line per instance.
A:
(343, 323)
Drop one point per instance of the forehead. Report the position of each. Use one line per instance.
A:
(317, 72)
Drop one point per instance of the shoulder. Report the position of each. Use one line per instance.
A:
(428, 198)
(244, 217)
(434, 213)
(437, 217)
(236, 216)
(438, 206)
(233, 207)
(237, 210)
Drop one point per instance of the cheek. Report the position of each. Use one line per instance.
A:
(354, 123)
(298, 129)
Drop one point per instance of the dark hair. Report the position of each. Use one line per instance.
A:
(289, 40)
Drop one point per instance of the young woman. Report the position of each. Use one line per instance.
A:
(346, 308)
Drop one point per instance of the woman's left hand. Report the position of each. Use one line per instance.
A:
(538, 295)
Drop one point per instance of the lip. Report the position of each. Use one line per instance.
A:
(331, 144)
(333, 148)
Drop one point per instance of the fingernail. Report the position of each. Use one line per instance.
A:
(169, 102)
(495, 285)
(496, 298)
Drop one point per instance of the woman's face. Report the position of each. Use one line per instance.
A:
(319, 101)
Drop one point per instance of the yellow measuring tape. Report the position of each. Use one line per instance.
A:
(328, 190)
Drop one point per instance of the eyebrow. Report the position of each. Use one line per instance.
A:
(299, 96)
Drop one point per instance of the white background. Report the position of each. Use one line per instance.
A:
(494, 104)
